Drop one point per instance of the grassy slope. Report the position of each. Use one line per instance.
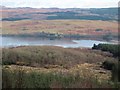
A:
(84, 27)
(52, 67)
(79, 76)
(45, 55)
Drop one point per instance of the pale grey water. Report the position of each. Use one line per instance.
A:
(21, 41)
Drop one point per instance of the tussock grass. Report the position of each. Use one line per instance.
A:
(55, 67)
(44, 56)
(76, 77)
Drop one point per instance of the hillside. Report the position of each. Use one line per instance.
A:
(14, 14)
(66, 22)
(53, 67)
(46, 55)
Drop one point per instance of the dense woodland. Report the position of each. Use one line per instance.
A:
(114, 66)
(114, 49)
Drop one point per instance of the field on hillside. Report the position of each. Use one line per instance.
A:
(82, 27)
(13, 14)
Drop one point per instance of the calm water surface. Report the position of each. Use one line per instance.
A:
(20, 41)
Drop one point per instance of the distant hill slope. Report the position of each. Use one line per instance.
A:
(14, 14)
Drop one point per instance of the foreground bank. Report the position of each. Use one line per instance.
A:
(56, 67)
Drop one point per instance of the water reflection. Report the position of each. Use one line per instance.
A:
(30, 41)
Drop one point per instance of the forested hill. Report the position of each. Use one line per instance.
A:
(14, 14)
